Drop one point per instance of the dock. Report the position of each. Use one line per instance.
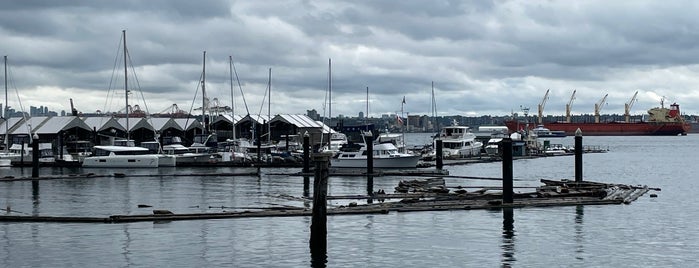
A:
(431, 196)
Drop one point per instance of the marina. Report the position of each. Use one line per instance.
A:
(224, 204)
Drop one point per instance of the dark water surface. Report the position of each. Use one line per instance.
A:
(660, 232)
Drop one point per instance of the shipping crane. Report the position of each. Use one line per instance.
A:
(542, 104)
(627, 108)
(568, 106)
(598, 107)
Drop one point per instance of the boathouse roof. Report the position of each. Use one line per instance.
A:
(11, 123)
(55, 124)
(103, 122)
(188, 123)
(161, 123)
(298, 120)
(228, 118)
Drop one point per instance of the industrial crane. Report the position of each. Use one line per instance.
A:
(542, 104)
(598, 107)
(627, 108)
(568, 106)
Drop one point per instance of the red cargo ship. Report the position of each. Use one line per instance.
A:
(662, 121)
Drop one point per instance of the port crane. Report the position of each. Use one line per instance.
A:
(568, 106)
(627, 108)
(542, 104)
(598, 107)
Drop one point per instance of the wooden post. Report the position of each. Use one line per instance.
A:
(319, 231)
(368, 140)
(35, 164)
(439, 155)
(306, 163)
(507, 184)
(578, 156)
(35, 156)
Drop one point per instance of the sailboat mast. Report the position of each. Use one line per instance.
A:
(366, 117)
(126, 88)
(7, 142)
(330, 92)
(269, 106)
(203, 95)
(230, 68)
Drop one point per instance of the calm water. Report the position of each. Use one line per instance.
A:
(650, 232)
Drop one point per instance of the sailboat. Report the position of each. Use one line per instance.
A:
(21, 153)
(123, 153)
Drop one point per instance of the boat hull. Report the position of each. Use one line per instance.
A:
(611, 128)
(122, 161)
(392, 162)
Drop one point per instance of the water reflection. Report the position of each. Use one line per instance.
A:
(508, 237)
(579, 236)
(126, 252)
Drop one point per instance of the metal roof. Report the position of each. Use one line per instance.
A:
(11, 123)
(259, 119)
(298, 120)
(161, 123)
(102, 122)
(31, 124)
(136, 123)
(228, 118)
(187, 123)
(56, 124)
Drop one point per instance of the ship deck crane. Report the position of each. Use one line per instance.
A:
(542, 104)
(568, 106)
(627, 108)
(598, 107)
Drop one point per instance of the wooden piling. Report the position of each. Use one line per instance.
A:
(306, 153)
(369, 164)
(319, 231)
(35, 156)
(439, 155)
(507, 177)
(578, 156)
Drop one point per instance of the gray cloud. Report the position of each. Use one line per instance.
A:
(485, 57)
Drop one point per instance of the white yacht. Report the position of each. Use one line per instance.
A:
(110, 156)
(458, 142)
(385, 155)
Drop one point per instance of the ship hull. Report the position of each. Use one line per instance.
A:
(611, 128)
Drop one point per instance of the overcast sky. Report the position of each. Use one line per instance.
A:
(485, 57)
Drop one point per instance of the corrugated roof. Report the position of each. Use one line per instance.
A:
(102, 123)
(228, 118)
(32, 124)
(188, 123)
(136, 123)
(12, 122)
(259, 119)
(57, 123)
(160, 123)
(326, 128)
(298, 120)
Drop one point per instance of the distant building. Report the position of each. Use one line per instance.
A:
(313, 114)
(361, 115)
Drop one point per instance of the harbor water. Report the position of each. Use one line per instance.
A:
(657, 232)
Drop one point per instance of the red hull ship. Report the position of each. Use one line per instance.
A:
(662, 121)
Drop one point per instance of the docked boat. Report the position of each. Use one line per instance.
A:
(458, 142)
(492, 148)
(23, 154)
(111, 156)
(385, 155)
(543, 132)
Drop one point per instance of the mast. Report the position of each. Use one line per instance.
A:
(126, 90)
(269, 107)
(203, 95)
(366, 117)
(7, 142)
(434, 110)
(230, 68)
(330, 92)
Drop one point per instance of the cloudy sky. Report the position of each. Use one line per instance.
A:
(484, 57)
